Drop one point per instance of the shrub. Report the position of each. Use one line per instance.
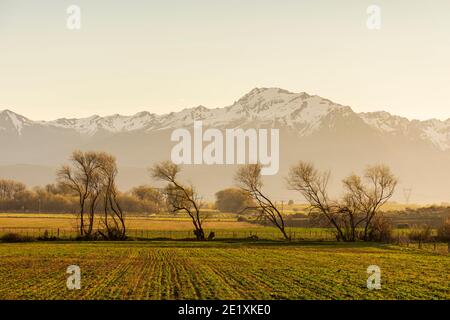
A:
(421, 234)
(113, 234)
(380, 231)
(91, 237)
(47, 237)
(443, 233)
(233, 200)
(14, 237)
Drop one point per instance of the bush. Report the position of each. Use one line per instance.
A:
(233, 200)
(47, 237)
(14, 237)
(92, 237)
(112, 234)
(443, 233)
(421, 234)
(380, 231)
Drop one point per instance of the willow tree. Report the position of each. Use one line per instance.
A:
(180, 197)
(360, 206)
(113, 215)
(248, 178)
(80, 178)
(92, 177)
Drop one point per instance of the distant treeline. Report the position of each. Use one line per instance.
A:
(432, 216)
(54, 198)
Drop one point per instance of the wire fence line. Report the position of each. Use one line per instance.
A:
(306, 234)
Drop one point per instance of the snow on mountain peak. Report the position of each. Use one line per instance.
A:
(434, 131)
(385, 122)
(114, 123)
(438, 132)
(10, 119)
(298, 110)
(275, 107)
(267, 105)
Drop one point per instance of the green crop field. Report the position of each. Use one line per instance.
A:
(220, 270)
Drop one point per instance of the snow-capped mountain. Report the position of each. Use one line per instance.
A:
(301, 112)
(115, 123)
(435, 131)
(265, 106)
(312, 128)
(10, 121)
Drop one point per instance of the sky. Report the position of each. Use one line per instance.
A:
(163, 56)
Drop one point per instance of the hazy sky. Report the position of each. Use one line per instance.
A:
(166, 55)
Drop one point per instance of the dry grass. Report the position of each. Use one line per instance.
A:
(160, 223)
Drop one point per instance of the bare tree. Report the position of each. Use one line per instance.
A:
(360, 204)
(179, 197)
(369, 193)
(96, 189)
(79, 178)
(10, 188)
(112, 209)
(92, 178)
(313, 184)
(248, 178)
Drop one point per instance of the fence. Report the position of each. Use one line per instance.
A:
(40, 232)
(434, 246)
(64, 233)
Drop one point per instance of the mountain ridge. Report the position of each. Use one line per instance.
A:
(311, 128)
(299, 111)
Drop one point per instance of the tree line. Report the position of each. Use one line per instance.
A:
(52, 198)
(87, 186)
(354, 216)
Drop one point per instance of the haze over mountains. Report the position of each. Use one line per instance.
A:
(312, 128)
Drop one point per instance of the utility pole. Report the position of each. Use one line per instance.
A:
(407, 194)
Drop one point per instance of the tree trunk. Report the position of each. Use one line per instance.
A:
(286, 237)
(199, 234)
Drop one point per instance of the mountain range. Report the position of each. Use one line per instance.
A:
(312, 128)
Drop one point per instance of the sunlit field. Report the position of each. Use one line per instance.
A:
(164, 226)
(160, 222)
(161, 226)
(220, 270)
